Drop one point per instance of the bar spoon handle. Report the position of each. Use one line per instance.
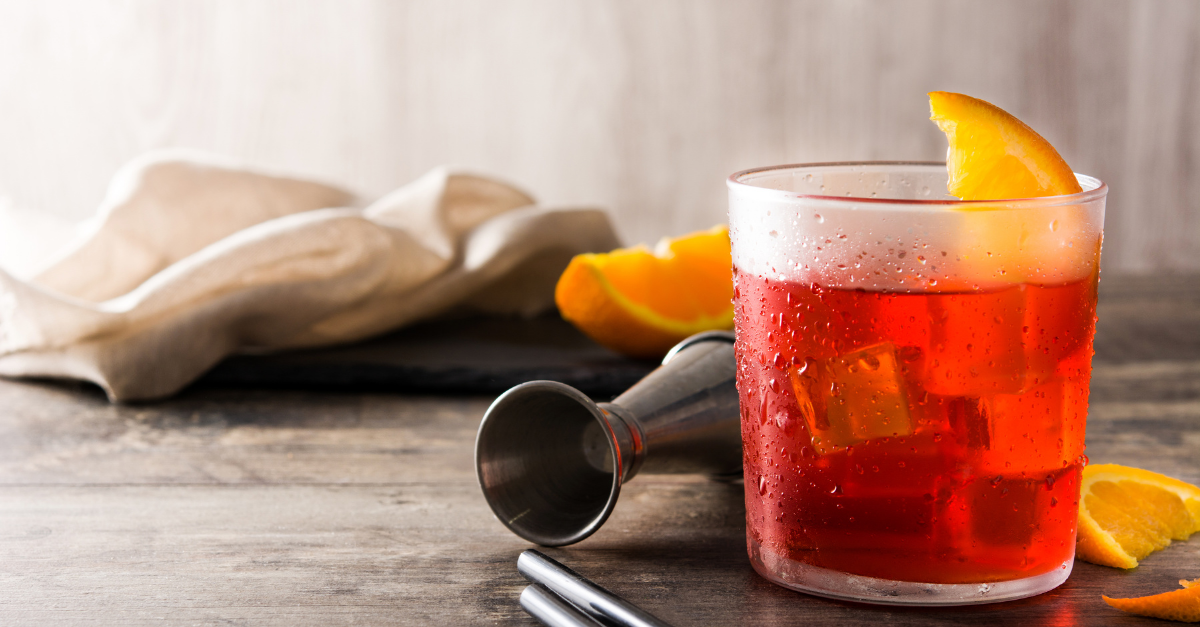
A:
(583, 594)
(551, 610)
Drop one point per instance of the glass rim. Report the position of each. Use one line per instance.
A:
(735, 183)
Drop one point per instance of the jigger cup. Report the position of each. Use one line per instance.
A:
(551, 461)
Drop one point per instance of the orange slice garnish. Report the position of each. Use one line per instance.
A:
(995, 156)
(1128, 513)
(641, 303)
(1181, 605)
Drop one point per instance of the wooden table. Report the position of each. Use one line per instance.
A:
(294, 508)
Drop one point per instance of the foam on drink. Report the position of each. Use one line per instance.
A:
(878, 246)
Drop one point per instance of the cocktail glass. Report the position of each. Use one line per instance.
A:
(913, 377)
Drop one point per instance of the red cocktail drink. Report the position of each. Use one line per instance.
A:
(913, 381)
(903, 436)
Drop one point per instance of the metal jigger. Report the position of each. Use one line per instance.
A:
(551, 461)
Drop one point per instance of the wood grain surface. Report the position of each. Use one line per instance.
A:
(237, 507)
(640, 107)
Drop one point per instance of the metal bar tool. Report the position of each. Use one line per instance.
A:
(551, 461)
(560, 596)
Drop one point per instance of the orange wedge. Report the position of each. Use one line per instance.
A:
(1128, 513)
(1181, 605)
(641, 303)
(995, 156)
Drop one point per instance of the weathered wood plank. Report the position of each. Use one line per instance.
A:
(424, 554)
(54, 435)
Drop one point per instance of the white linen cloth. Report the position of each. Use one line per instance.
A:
(192, 258)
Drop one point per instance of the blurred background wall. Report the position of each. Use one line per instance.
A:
(642, 107)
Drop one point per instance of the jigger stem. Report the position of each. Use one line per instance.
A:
(686, 411)
(551, 461)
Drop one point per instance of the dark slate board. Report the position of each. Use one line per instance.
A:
(463, 356)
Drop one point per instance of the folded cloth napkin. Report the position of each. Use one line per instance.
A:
(191, 258)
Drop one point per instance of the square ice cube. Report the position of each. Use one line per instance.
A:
(852, 398)
(1026, 430)
(1004, 511)
(1059, 323)
(976, 343)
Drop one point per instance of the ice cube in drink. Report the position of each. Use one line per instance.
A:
(852, 398)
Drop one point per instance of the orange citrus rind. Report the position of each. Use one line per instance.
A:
(641, 303)
(1128, 513)
(995, 156)
(1179, 605)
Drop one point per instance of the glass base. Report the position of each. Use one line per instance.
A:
(847, 587)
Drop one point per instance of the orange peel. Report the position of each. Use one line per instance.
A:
(995, 156)
(1128, 513)
(641, 303)
(1179, 605)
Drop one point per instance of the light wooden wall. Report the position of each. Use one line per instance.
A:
(641, 106)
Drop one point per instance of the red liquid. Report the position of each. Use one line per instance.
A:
(933, 437)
